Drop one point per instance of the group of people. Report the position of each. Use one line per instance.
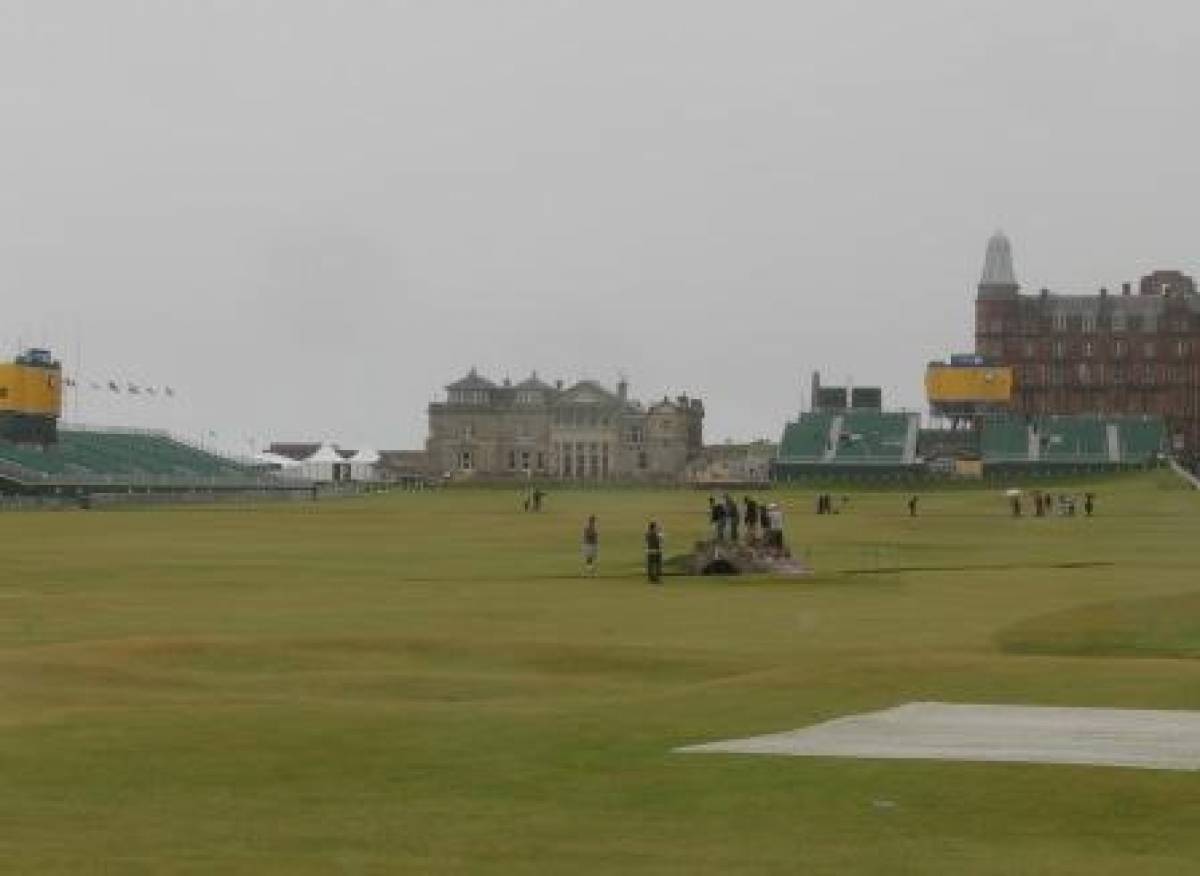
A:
(763, 526)
(1064, 505)
(533, 499)
(654, 549)
(825, 503)
(763, 522)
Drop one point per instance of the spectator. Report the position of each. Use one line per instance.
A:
(654, 548)
(591, 546)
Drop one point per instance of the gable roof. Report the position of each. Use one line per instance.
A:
(532, 382)
(473, 380)
(588, 392)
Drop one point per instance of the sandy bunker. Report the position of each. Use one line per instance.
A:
(1144, 739)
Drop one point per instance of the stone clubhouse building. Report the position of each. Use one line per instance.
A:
(583, 432)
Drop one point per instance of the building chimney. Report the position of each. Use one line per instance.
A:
(623, 390)
(1126, 288)
(1103, 291)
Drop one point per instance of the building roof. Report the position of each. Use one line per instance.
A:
(998, 262)
(532, 382)
(472, 381)
(326, 453)
(296, 450)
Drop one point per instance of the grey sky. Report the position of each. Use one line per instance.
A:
(309, 216)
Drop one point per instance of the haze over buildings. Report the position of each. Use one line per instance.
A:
(304, 215)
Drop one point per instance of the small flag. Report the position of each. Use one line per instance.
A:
(133, 390)
(112, 384)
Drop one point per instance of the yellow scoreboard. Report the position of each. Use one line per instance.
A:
(29, 390)
(983, 384)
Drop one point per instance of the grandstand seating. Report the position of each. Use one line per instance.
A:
(1072, 439)
(1004, 440)
(1067, 439)
(807, 438)
(1141, 438)
(113, 456)
(871, 436)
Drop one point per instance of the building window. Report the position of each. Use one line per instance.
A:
(1182, 348)
(636, 435)
(1120, 348)
(1118, 374)
(1148, 349)
(1060, 321)
(643, 460)
(1089, 349)
(524, 460)
(465, 460)
(1056, 374)
(1085, 373)
(1060, 350)
(1118, 321)
(1148, 375)
(1089, 322)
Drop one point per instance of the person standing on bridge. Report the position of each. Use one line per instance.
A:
(654, 549)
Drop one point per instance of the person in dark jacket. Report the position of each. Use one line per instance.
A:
(654, 549)
(751, 520)
(732, 517)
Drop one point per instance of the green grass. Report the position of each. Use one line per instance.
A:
(425, 683)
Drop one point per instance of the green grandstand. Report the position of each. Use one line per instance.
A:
(864, 445)
(91, 460)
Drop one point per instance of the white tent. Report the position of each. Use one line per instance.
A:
(326, 465)
(363, 465)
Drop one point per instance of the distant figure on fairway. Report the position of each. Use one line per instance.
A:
(538, 495)
(912, 506)
(1089, 503)
(764, 521)
(591, 546)
(1016, 506)
(654, 549)
(751, 520)
(732, 517)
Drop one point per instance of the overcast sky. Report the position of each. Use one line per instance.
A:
(309, 216)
